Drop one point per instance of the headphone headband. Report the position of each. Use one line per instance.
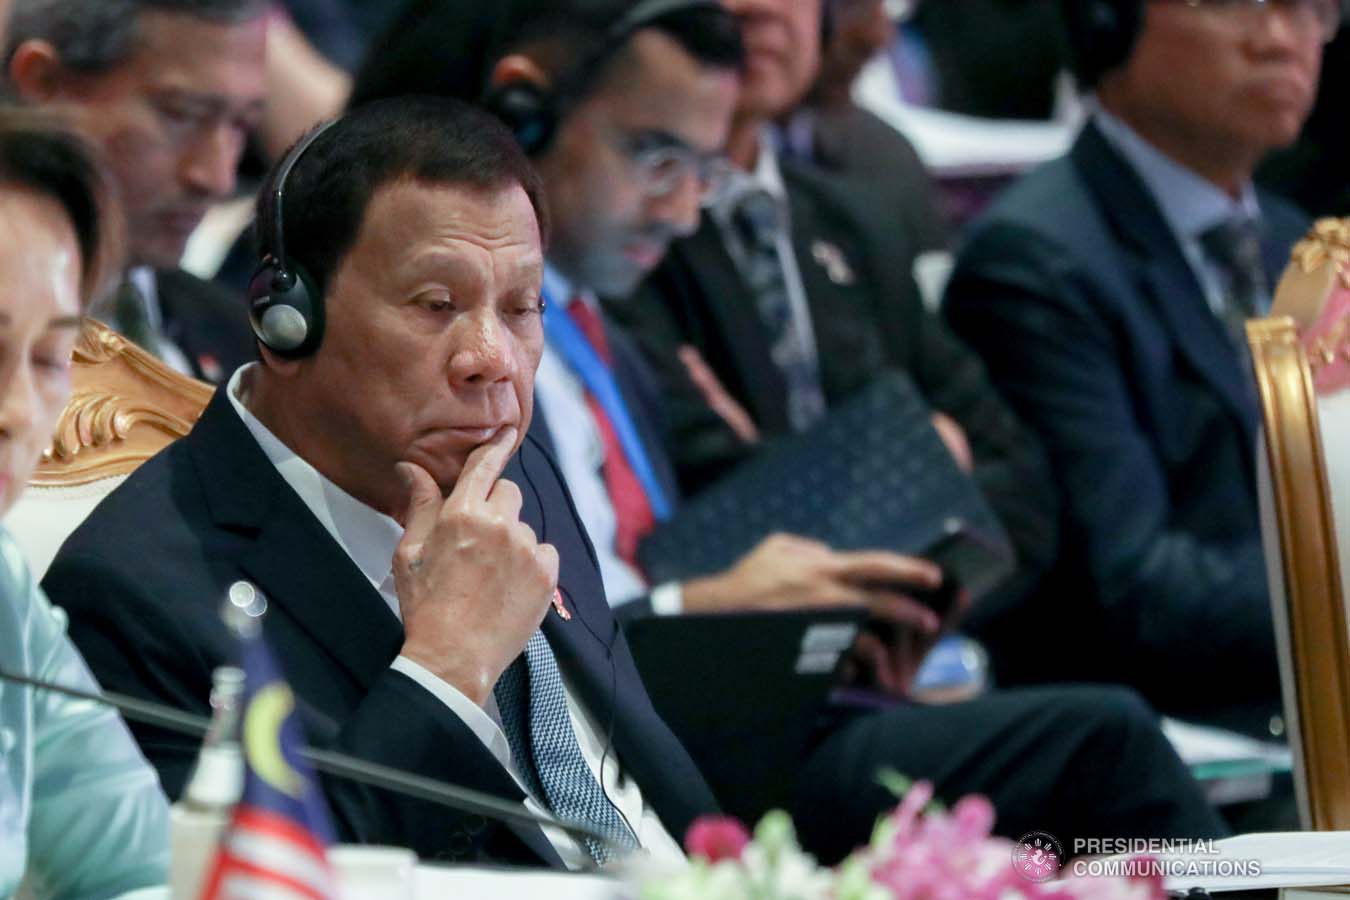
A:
(277, 248)
(532, 114)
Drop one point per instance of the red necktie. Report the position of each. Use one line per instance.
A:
(632, 511)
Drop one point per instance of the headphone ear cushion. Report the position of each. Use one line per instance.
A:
(1107, 31)
(283, 311)
(527, 112)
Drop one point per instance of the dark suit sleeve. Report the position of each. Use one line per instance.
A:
(1030, 313)
(134, 648)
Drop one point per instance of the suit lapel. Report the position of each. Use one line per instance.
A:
(732, 308)
(1167, 279)
(839, 301)
(294, 560)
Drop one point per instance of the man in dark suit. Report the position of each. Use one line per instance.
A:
(699, 319)
(353, 476)
(1106, 293)
(170, 90)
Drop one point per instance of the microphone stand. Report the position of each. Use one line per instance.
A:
(329, 762)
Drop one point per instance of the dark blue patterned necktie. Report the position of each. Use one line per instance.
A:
(533, 705)
(758, 222)
(1235, 248)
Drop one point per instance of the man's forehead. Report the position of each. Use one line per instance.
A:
(657, 85)
(421, 219)
(192, 54)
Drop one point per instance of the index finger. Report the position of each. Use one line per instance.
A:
(888, 568)
(484, 466)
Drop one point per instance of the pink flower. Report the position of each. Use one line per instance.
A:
(716, 838)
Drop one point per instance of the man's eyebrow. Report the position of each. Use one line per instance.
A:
(60, 322)
(658, 137)
(214, 103)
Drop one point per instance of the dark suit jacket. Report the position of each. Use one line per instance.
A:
(143, 579)
(207, 322)
(865, 322)
(1094, 326)
(854, 141)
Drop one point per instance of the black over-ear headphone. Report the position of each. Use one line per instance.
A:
(284, 306)
(532, 112)
(1102, 34)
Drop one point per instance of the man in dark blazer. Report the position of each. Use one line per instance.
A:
(1106, 292)
(170, 91)
(353, 477)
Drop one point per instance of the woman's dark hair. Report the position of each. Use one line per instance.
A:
(39, 152)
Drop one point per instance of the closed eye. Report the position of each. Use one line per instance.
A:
(435, 301)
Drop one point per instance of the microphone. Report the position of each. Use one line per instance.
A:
(340, 765)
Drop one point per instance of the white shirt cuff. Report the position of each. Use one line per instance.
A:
(470, 713)
(668, 599)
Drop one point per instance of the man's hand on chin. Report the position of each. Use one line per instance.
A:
(473, 582)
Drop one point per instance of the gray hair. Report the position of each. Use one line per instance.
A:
(95, 35)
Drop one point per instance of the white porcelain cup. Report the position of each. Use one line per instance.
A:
(374, 873)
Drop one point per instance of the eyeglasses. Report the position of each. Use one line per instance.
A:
(1323, 16)
(661, 164)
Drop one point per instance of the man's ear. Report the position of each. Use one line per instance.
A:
(278, 365)
(36, 72)
(518, 68)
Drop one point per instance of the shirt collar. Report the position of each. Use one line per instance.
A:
(1190, 204)
(765, 176)
(368, 536)
(561, 293)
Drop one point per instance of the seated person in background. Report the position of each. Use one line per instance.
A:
(355, 475)
(1107, 293)
(81, 813)
(829, 130)
(795, 292)
(613, 216)
(169, 90)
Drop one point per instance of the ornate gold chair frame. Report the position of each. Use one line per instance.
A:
(1310, 610)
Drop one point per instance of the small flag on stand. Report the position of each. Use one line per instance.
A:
(273, 848)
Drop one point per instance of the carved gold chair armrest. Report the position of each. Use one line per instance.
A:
(125, 407)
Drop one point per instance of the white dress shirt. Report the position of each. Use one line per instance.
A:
(370, 539)
(560, 397)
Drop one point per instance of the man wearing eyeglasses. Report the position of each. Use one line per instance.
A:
(170, 91)
(1107, 293)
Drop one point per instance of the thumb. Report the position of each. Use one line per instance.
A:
(424, 502)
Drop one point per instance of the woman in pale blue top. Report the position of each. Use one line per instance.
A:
(81, 812)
